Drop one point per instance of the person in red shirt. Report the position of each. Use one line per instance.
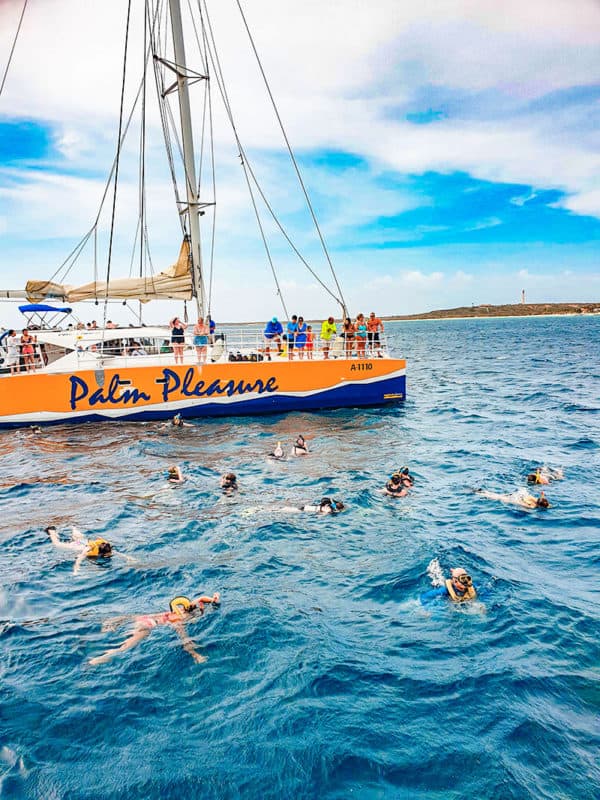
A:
(374, 325)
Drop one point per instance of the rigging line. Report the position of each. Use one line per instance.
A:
(205, 68)
(291, 154)
(142, 199)
(244, 157)
(214, 188)
(114, 205)
(164, 111)
(221, 85)
(12, 49)
(211, 51)
(97, 220)
(208, 100)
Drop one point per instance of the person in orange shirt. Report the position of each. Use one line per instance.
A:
(374, 325)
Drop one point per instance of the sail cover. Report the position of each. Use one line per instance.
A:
(174, 283)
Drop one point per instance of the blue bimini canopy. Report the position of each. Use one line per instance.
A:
(41, 307)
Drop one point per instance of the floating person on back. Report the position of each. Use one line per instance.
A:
(325, 506)
(544, 475)
(181, 611)
(458, 588)
(229, 483)
(300, 447)
(278, 453)
(520, 498)
(96, 548)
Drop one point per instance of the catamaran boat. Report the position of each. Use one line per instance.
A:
(131, 373)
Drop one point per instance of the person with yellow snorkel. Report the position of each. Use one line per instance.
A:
(181, 611)
(95, 548)
(544, 475)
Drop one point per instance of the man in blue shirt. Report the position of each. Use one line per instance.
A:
(291, 329)
(273, 331)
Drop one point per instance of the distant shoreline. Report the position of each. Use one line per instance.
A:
(490, 312)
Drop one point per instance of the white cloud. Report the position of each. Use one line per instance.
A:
(340, 73)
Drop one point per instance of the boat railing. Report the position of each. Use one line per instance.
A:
(229, 344)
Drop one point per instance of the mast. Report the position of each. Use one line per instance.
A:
(193, 208)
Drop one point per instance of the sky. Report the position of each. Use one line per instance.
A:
(451, 149)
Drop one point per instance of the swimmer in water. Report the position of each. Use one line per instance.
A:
(395, 487)
(96, 548)
(544, 475)
(181, 611)
(278, 453)
(34, 430)
(458, 588)
(177, 422)
(300, 447)
(520, 498)
(229, 483)
(325, 506)
(175, 475)
(406, 478)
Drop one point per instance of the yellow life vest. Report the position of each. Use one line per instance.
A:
(470, 593)
(94, 547)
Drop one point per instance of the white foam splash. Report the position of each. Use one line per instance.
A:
(435, 572)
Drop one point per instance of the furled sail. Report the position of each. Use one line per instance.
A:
(174, 283)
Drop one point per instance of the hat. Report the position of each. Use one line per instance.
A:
(274, 319)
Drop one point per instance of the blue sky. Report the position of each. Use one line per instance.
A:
(452, 152)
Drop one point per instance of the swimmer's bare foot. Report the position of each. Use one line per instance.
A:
(199, 659)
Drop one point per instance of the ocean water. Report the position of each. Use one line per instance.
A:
(326, 677)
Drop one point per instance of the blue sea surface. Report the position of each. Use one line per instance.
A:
(326, 677)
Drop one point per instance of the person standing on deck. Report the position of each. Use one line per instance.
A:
(328, 331)
(374, 325)
(272, 333)
(291, 330)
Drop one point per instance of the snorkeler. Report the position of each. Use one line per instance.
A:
(278, 453)
(229, 483)
(96, 548)
(458, 588)
(177, 422)
(405, 477)
(326, 506)
(544, 475)
(300, 447)
(519, 498)
(175, 475)
(34, 430)
(181, 611)
(396, 487)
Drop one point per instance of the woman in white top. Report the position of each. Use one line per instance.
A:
(12, 351)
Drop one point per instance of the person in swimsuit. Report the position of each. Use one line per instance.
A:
(96, 548)
(361, 336)
(229, 483)
(395, 487)
(300, 447)
(349, 334)
(458, 588)
(310, 342)
(28, 350)
(175, 475)
(544, 475)
(201, 334)
(181, 611)
(326, 506)
(519, 498)
(406, 478)
(177, 338)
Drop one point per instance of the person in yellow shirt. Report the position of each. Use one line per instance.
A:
(328, 331)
